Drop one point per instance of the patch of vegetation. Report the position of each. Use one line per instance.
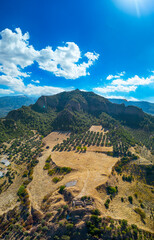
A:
(130, 199)
(119, 166)
(106, 204)
(59, 170)
(22, 191)
(140, 212)
(142, 172)
(56, 179)
(112, 190)
(61, 189)
(127, 178)
(108, 228)
(80, 142)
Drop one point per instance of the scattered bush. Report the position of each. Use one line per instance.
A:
(136, 195)
(48, 160)
(96, 212)
(65, 237)
(140, 212)
(61, 189)
(112, 190)
(130, 199)
(142, 205)
(106, 204)
(25, 174)
(59, 170)
(56, 179)
(127, 178)
(47, 166)
(22, 191)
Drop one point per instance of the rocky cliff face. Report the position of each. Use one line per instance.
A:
(78, 101)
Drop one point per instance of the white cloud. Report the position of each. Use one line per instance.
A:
(110, 77)
(35, 81)
(64, 61)
(136, 81)
(114, 97)
(16, 54)
(128, 85)
(31, 89)
(83, 90)
(15, 84)
(133, 99)
(122, 97)
(5, 91)
(119, 88)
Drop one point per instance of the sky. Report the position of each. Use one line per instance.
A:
(104, 46)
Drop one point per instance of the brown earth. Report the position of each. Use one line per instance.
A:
(89, 170)
(125, 210)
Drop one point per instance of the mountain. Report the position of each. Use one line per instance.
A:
(76, 111)
(146, 106)
(14, 102)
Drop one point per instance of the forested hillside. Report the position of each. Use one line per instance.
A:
(76, 111)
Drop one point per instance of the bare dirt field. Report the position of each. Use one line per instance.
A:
(90, 169)
(8, 199)
(99, 129)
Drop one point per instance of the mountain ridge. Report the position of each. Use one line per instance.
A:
(76, 111)
(147, 107)
(9, 103)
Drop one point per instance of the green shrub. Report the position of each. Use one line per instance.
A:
(25, 174)
(127, 178)
(124, 224)
(22, 191)
(96, 212)
(106, 204)
(45, 229)
(130, 199)
(140, 212)
(56, 179)
(111, 190)
(69, 226)
(136, 195)
(51, 172)
(61, 189)
(65, 237)
(48, 160)
(142, 205)
(47, 166)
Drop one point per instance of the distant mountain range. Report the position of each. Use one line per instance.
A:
(147, 107)
(10, 103)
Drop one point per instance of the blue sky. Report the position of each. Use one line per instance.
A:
(104, 46)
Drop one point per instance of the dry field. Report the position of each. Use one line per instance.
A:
(90, 169)
(125, 210)
(99, 129)
(8, 199)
